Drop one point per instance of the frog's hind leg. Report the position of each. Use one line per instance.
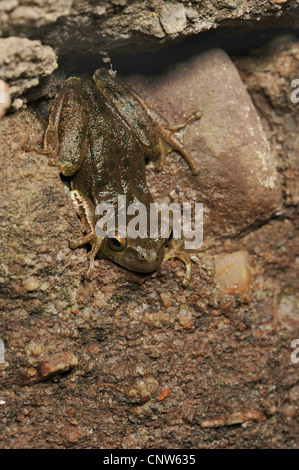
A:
(85, 210)
(172, 142)
(65, 138)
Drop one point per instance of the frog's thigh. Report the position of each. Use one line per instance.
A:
(65, 136)
(85, 210)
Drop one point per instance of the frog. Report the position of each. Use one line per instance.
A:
(100, 134)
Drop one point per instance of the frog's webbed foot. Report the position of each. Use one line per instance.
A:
(175, 251)
(175, 143)
(95, 246)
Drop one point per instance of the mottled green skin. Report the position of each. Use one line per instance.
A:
(92, 141)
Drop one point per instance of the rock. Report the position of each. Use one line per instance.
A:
(288, 307)
(233, 274)
(238, 417)
(166, 299)
(22, 63)
(61, 363)
(80, 29)
(238, 182)
(173, 18)
(143, 389)
(269, 75)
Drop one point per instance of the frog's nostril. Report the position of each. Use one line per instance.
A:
(142, 256)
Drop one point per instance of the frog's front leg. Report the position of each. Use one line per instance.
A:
(85, 210)
(176, 251)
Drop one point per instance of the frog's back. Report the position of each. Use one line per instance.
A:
(114, 161)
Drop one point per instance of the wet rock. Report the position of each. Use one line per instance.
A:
(238, 182)
(233, 274)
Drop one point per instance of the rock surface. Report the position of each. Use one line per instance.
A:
(117, 26)
(126, 360)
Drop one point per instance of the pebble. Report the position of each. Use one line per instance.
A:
(289, 411)
(173, 18)
(233, 274)
(31, 284)
(143, 389)
(166, 300)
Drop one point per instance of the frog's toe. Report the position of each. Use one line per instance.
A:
(81, 241)
(195, 170)
(89, 271)
(202, 265)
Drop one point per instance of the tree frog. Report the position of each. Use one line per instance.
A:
(99, 135)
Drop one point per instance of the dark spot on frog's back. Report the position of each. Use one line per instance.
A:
(141, 187)
(127, 163)
(111, 165)
(138, 124)
(104, 176)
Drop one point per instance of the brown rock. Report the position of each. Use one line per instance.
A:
(143, 389)
(61, 363)
(45, 370)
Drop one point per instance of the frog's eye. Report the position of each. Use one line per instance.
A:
(116, 243)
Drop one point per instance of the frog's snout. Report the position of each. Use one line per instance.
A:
(148, 260)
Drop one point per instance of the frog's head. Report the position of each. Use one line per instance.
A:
(142, 255)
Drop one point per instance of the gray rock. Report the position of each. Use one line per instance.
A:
(173, 18)
(22, 63)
